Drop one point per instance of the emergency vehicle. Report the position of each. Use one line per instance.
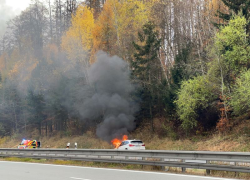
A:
(29, 144)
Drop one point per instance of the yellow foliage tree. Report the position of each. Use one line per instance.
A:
(104, 30)
(118, 25)
(23, 69)
(78, 40)
(7, 62)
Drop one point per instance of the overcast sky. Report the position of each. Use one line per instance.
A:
(9, 9)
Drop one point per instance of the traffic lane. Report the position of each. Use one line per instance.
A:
(25, 171)
(31, 171)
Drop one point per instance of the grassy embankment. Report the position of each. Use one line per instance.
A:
(236, 140)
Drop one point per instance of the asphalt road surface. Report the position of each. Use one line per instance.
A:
(33, 171)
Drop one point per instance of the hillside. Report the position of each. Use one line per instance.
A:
(92, 71)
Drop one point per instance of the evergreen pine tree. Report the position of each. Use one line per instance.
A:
(179, 73)
(237, 6)
(36, 107)
(146, 68)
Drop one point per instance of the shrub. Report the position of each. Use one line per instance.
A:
(195, 95)
(240, 100)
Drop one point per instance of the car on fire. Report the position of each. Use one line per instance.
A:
(132, 145)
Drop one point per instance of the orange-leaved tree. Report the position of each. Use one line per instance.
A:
(104, 30)
(118, 25)
(214, 6)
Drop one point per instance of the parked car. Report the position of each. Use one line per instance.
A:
(132, 145)
(29, 144)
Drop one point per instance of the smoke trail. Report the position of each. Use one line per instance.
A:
(111, 100)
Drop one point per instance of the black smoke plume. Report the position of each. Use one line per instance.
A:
(111, 99)
(100, 95)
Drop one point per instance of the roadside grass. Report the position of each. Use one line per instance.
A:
(86, 141)
(237, 140)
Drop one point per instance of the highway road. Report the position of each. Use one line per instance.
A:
(35, 171)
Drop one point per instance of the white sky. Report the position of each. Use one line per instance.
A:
(9, 9)
(18, 5)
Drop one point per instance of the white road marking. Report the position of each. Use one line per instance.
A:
(105, 169)
(78, 178)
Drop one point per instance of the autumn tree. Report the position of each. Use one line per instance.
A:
(96, 5)
(214, 7)
(117, 26)
(78, 40)
(104, 30)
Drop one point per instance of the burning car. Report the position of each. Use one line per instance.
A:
(126, 144)
(132, 145)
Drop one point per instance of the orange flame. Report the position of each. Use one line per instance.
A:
(117, 142)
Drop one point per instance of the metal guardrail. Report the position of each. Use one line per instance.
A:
(221, 161)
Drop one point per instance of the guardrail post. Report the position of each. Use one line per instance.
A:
(38, 154)
(143, 158)
(183, 169)
(163, 167)
(236, 173)
(208, 172)
(46, 154)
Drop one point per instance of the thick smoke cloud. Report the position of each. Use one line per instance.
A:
(99, 95)
(104, 98)
(111, 101)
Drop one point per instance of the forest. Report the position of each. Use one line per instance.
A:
(112, 66)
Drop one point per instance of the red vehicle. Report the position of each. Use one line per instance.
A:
(29, 144)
